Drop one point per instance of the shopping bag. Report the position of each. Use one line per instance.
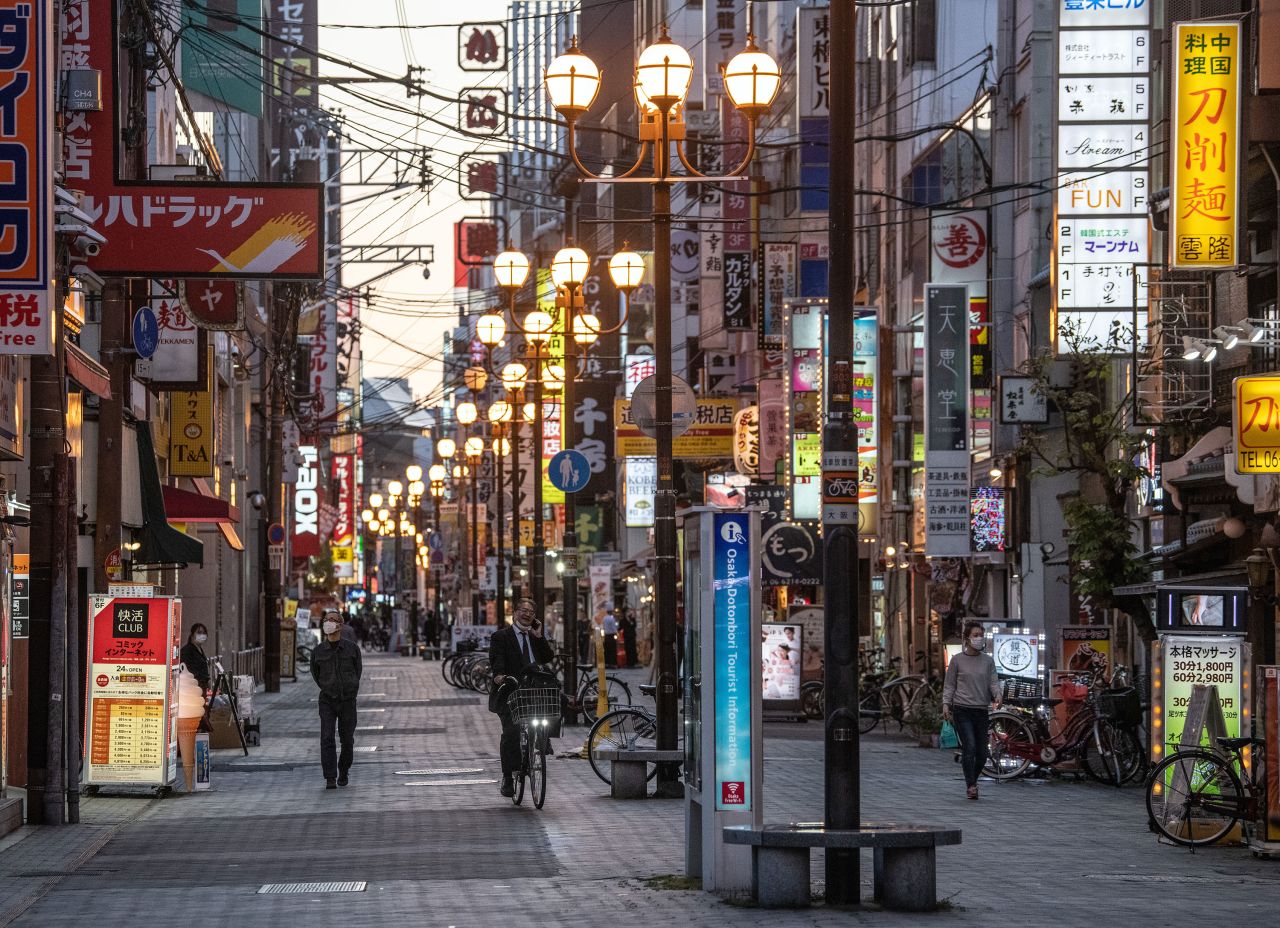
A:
(948, 739)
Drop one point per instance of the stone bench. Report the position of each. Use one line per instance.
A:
(629, 775)
(905, 875)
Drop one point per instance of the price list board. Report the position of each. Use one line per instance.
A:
(132, 690)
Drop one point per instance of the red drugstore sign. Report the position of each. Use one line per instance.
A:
(181, 229)
(26, 181)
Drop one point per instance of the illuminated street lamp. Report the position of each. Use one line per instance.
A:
(662, 76)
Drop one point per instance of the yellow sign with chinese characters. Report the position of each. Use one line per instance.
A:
(1255, 424)
(710, 436)
(1204, 157)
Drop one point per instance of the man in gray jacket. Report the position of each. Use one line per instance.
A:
(970, 687)
(336, 667)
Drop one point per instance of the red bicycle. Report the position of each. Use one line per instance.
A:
(1020, 737)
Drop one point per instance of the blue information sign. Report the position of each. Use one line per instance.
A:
(146, 332)
(731, 585)
(569, 470)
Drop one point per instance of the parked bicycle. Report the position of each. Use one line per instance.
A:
(627, 728)
(1092, 741)
(1196, 796)
(587, 697)
(468, 670)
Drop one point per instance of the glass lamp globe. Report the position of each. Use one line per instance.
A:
(572, 81)
(490, 328)
(474, 447)
(395, 487)
(627, 270)
(416, 488)
(586, 329)
(530, 412)
(413, 472)
(569, 267)
(475, 378)
(514, 375)
(752, 78)
(438, 472)
(501, 447)
(537, 326)
(375, 500)
(366, 515)
(553, 378)
(466, 412)
(511, 268)
(664, 71)
(500, 411)
(446, 448)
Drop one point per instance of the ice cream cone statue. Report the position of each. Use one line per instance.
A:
(190, 712)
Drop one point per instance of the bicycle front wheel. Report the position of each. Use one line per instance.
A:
(624, 729)
(1194, 798)
(812, 700)
(1100, 756)
(537, 761)
(870, 709)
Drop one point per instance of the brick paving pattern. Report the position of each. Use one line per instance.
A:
(454, 853)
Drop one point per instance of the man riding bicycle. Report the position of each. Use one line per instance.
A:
(511, 651)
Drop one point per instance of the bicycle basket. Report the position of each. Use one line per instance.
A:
(1015, 688)
(541, 703)
(1123, 707)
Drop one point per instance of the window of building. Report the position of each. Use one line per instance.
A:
(920, 27)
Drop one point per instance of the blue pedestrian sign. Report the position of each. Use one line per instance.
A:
(569, 471)
(435, 541)
(146, 332)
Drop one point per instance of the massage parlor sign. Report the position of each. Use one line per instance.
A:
(131, 707)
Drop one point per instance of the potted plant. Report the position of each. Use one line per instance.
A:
(924, 718)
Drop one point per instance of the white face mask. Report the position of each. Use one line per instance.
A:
(330, 627)
(201, 639)
(978, 644)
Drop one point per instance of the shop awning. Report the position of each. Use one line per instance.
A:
(161, 542)
(87, 372)
(204, 506)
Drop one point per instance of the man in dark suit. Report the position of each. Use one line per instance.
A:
(511, 650)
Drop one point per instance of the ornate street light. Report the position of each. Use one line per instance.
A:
(511, 269)
(413, 472)
(661, 81)
(490, 328)
(466, 412)
(446, 448)
(438, 473)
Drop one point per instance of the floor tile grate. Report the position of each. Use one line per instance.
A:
(299, 888)
(438, 771)
(463, 782)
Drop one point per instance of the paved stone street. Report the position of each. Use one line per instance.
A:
(443, 849)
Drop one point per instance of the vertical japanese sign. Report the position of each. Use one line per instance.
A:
(551, 432)
(343, 536)
(724, 23)
(480, 175)
(482, 111)
(20, 597)
(813, 62)
(959, 253)
(131, 690)
(592, 415)
(777, 285)
(180, 359)
(1211, 660)
(1205, 151)
(27, 313)
(191, 434)
(737, 291)
(1103, 148)
(946, 391)
(734, 674)
(322, 370)
(866, 334)
(803, 374)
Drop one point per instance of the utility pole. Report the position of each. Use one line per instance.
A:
(842, 804)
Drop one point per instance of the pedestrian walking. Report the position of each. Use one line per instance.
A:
(193, 656)
(628, 628)
(610, 639)
(971, 687)
(336, 666)
(512, 650)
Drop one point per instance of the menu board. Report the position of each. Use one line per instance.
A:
(132, 710)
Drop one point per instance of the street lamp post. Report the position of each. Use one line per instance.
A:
(500, 413)
(662, 75)
(569, 270)
(438, 473)
(413, 474)
(446, 448)
(474, 449)
(394, 490)
(513, 379)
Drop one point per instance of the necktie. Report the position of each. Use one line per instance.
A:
(524, 645)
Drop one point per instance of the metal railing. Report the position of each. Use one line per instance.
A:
(249, 662)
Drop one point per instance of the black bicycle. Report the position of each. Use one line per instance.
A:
(1198, 795)
(535, 706)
